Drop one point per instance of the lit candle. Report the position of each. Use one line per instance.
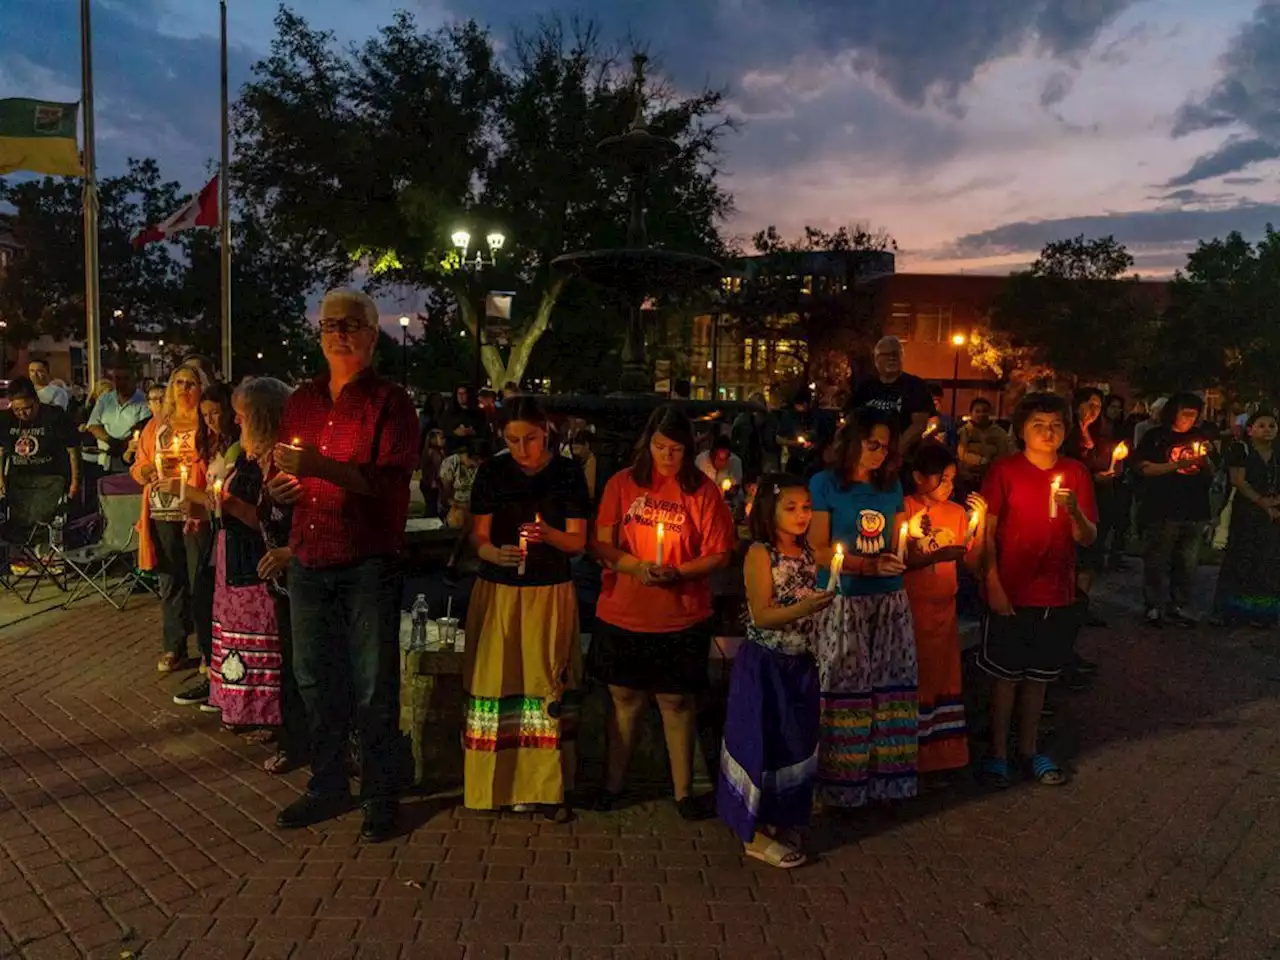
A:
(662, 530)
(1121, 452)
(217, 498)
(1053, 497)
(159, 466)
(930, 430)
(975, 517)
(524, 550)
(726, 485)
(902, 542)
(182, 482)
(801, 440)
(296, 443)
(837, 567)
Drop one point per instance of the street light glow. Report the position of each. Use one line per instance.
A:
(404, 322)
(259, 354)
(495, 240)
(461, 240)
(958, 339)
(118, 313)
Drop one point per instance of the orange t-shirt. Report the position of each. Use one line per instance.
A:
(695, 525)
(934, 525)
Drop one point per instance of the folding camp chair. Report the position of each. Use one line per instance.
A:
(120, 503)
(28, 558)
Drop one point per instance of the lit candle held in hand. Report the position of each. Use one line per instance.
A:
(1053, 497)
(1119, 455)
(837, 567)
(217, 499)
(182, 482)
(726, 485)
(975, 518)
(524, 552)
(902, 542)
(662, 530)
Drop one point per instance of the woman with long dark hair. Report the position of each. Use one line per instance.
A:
(662, 529)
(1248, 589)
(866, 646)
(523, 659)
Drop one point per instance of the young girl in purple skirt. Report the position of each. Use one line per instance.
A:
(768, 761)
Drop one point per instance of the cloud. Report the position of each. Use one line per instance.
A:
(1163, 228)
(1056, 88)
(1246, 96)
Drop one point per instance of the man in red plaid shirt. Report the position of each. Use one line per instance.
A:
(348, 448)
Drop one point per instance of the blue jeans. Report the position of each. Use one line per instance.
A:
(346, 660)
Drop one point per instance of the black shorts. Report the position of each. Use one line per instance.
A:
(656, 662)
(1035, 643)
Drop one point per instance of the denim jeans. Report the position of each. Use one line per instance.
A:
(186, 586)
(346, 659)
(1169, 562)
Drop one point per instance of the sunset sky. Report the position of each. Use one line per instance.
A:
(973, 130)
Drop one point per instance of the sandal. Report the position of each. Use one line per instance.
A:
(1044, 771)
(258, 736)
(777, 854)
(994, 774)
(280, 763)
(169, 662)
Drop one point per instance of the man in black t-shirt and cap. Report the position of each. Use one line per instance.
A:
(897, 393)
(39, 458)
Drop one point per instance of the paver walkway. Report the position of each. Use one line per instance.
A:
(131, 827)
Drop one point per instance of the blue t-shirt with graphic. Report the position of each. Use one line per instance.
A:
(861, 519)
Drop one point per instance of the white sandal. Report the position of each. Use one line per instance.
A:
(778, 855)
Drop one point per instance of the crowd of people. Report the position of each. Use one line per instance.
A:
(275, 519)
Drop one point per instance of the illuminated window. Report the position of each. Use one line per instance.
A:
(748, 354)
(808, 285)
(932, 323)
(900, 320)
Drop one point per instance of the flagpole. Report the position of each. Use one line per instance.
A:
(224, 209)
(93, 346)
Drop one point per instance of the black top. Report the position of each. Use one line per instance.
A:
(905, 397)
(512, 497)
(1175, 496)
(38, 447)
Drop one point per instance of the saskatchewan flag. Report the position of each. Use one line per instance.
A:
(39, 136)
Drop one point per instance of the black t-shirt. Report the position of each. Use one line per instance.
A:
(1174, 496)
(38, 447)
(905, 397)
(512, 498)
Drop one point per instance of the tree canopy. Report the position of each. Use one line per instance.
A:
(371, 157)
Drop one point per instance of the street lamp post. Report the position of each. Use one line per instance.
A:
(958, 340)
(476, 265)
(404, 351)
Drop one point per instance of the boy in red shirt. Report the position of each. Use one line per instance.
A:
(1041, 507)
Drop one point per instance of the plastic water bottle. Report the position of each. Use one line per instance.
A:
(418, 636)
(55, 532)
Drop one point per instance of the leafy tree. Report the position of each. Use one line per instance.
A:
(800, 295)
(372, 157)
(1222, 325)
(1074, 312)
(43, 291)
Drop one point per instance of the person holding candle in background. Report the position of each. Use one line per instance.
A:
(866, 643)
(523, 665)
(767, 760)
(941, 534)
(721, 464)
(653, 619)
(174, 535)
(1040, 508)
(1176, 465)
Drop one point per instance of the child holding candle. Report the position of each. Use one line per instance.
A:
(1030, 561)
(767, 764)
(942, 535)
(866, 645)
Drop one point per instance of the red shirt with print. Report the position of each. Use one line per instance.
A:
(695, 525)
(1036, 554)
(372, 424)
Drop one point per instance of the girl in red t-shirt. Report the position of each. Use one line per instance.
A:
(662, 529)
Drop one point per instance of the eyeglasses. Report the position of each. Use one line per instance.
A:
(343, 324)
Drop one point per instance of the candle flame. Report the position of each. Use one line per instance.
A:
(661, 530)
(1057, 483)
(297, 441)
(1121, 451)
(839, 549)
(801, 439)
(182, 471)
(727, 485)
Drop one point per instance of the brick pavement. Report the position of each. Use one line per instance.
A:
(131, 827)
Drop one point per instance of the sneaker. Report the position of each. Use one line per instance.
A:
(1154, 618)
(194, 695)
(209, 708)
(1181, 618)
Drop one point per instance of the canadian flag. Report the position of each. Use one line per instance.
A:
(200, 211)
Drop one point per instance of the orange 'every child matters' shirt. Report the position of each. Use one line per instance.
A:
(695, 525)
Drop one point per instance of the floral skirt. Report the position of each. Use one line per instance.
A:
(868, 675)
(245, 675)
